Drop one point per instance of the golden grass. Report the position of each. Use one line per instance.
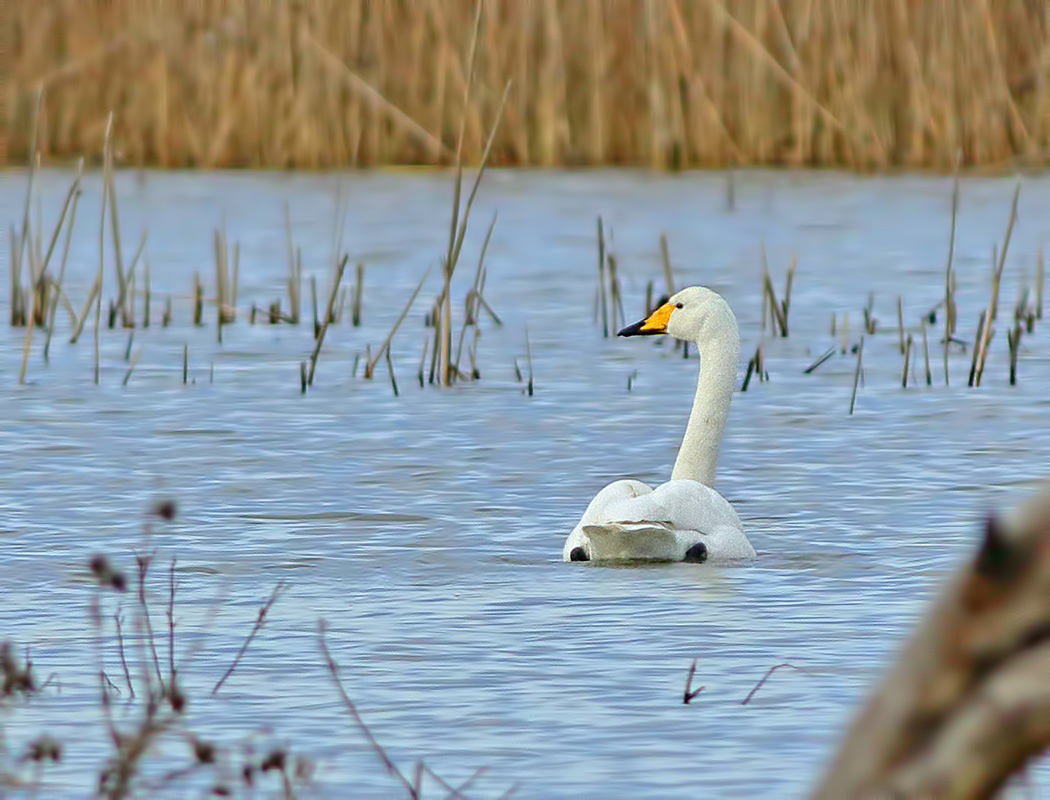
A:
(865, 84)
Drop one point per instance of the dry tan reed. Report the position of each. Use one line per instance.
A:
(676, 84)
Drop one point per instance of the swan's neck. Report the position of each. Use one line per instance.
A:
(698, 456)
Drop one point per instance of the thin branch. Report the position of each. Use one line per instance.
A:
(333, 670)
(255, 629)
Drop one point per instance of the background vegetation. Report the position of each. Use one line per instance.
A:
(864, 84)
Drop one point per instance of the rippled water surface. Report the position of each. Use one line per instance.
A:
(427, 528)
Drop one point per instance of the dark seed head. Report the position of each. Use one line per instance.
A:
(203, 752)
(176, 698)
(165, 509)
(100, 567)
(273, 761)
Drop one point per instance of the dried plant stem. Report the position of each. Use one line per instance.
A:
(333, 670)
(907, 362)
(1040, 269)
(926, 354)
(260, 619)
(766, 677)
(107, 170)
(602, 302)
(327, 318)
(665, 260)
(949, 300)
(856, 375)
(65, 258)
(528, 357)
(900, 324)
(371, 362)
(993, 303)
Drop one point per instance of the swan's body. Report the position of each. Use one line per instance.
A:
(683, 519)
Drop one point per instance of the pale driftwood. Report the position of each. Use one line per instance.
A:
(967, 704)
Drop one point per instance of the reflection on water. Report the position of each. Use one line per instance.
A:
(427, 528)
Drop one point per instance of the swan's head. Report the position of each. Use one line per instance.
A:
(695, 314)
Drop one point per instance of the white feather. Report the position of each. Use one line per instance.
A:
(628, 520)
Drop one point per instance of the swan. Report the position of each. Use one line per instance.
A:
(683, 519)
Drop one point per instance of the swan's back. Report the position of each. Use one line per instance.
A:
(629, 520)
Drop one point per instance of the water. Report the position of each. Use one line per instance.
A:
(427, 528)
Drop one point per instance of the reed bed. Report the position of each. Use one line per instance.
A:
(673, 85)
(449, 347)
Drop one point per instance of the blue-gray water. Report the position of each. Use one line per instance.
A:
(427, 528)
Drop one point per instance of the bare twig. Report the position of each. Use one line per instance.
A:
(255, 629)
(333, 670)
(689, 694)
(766, 677)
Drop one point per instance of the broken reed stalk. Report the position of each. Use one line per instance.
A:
(926, 354)
(107, 169)
(856, 376)
(665, 260)
(993, 303)
(198, 300)
(900, 323)
(982, 323)
(313, 305)
(965, 705)
(295, 268)
(820, 360)
(371, 362)
(65, 258)
(41, 305)
(777, 310)
(1040, 268)
(131, 365)
(601, 302)
(615, 295)
(85, 311)
(355, 296)
(473, 299)
(23, 243)
(870, 322)
(456, 230)
(1013, 338)
(528, 357)
(949, 300)
(756, 366)
(390, 369)
(907, 363)
(185, 363)
(146, 293)
(224, 281)
(457, 235)
(785, 304)
(17, 316)
(422, 362)
(327, 318)
(114, 220)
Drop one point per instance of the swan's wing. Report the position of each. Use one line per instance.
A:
(661, 524)
(684, 504)
(616, 492)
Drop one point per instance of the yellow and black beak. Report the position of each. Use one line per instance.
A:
(653, 324)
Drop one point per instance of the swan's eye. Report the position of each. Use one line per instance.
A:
(678, 305)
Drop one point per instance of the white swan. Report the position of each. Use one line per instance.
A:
(683, 519)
